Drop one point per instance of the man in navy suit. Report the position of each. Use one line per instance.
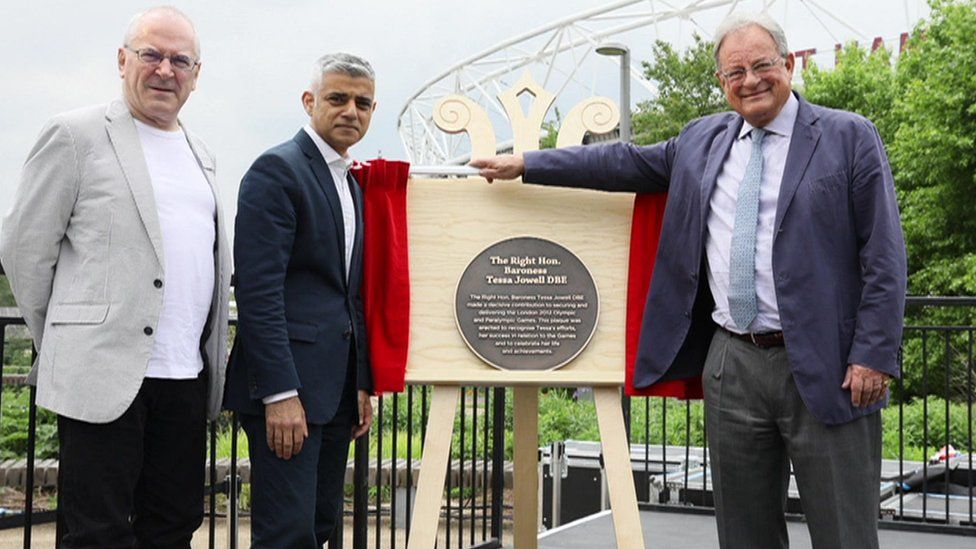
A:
(780, 278)
(299, 371)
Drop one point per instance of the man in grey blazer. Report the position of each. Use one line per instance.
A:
(116, 254)
(780, 279)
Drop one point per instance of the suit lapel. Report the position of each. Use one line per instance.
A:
(323, 175)
(203, 159)
(721, 145)
(806, 135)
(128, 150)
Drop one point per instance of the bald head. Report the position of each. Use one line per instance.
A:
(137, 25)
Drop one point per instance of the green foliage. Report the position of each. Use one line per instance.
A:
(14, 422)
(17, 354)
(6, 296)
(933, 152)
(551, 129)
(923, 439)
(687, 89)
(225, 442)
(936, 362)
(561, 418)
(861, 82)
(925, 110)
(17, 348)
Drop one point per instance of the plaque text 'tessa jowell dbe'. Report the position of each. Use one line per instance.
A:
(526, 304)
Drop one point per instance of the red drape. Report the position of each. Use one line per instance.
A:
(645, 232)
(386, 274)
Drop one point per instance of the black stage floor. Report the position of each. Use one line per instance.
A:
(676, 530)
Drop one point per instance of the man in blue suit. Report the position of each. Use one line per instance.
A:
(780, 278)
(299, 371)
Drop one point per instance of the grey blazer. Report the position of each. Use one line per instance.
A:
(83, 250)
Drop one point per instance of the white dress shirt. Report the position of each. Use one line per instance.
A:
(186, 209)
(339, 167)
(721, 218)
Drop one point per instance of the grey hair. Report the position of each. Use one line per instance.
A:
(738, 21)
(343, 63)
(136, 22)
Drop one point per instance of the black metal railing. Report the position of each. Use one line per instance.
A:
(384, 480)
(932, 407)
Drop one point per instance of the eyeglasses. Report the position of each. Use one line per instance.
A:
(152, 58)
(760, 69)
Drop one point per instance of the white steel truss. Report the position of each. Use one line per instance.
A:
(561, 55)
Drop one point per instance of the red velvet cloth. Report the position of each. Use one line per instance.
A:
(645, 232)
(386, 273)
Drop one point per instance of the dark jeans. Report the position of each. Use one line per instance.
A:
(137, 481)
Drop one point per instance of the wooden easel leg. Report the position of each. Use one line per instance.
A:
(526, 456)
(616, 460)
(437, 453)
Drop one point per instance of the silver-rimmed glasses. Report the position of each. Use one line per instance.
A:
(152, 57)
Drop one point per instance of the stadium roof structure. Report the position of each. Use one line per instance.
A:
(562, 56)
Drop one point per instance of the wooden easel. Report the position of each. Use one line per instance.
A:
(437, 448)
(451, 221)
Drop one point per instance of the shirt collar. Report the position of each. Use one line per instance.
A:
(331, 157)
(782, 124)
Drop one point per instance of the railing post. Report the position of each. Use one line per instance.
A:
(360, 494)
(232, 486)
(626, 407)
(29, 492)
(498, 463)
(31, 440)
(212, 523)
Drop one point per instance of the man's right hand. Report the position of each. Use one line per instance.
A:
(286, 427)
(505, 166)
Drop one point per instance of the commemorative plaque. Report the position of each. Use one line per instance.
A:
(526, 303)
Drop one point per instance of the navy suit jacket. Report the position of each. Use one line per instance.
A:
(299, 318)
(839, 262)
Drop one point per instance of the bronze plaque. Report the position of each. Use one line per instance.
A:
(526, 303)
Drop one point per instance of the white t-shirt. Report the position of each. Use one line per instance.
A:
(186, 209)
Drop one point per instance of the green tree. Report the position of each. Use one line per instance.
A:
(924, 110)
(686, 89)
(6, 296)
(861, 82)
(551, 129)
(933, 151)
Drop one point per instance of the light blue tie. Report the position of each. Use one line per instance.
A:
(742, 267)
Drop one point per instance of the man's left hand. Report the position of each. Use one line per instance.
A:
(867, 386)
(365, 416)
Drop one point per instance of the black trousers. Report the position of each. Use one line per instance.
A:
(137, 481)
(296, 503)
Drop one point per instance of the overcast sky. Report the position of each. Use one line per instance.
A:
(60, 55)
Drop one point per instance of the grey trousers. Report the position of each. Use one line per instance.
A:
(757, 424)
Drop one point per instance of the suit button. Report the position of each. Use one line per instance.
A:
(148, 330)
(158, 283)
(687, 314)
(347, 334)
